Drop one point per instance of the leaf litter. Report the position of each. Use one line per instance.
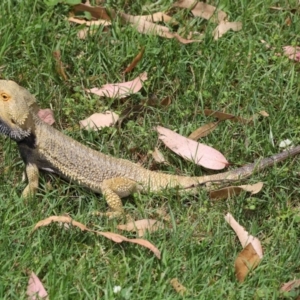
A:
(117, 238)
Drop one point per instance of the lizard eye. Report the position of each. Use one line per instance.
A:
(5, 97)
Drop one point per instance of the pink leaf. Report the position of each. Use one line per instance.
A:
(120, 90)
(200, 154)
(35, 289)
(292, 52)
(98, 121)
(46, 115)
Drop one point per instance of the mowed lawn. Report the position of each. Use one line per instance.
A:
(237, 74)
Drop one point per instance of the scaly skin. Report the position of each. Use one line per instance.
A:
(42, 147)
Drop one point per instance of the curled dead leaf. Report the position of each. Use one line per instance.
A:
(244, 237)
(117, 238)
(231, 191)
(224, 26)
(252, 254)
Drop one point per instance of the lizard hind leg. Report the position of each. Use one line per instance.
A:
(113, 190)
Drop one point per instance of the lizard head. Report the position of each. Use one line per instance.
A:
(15, 103)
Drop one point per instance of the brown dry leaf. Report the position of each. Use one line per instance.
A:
(200, 154)
(166, 101)
(59, 65)
(97, 12)
(244, 237)
(203, 131)
(158, 156)
(135, 61)
(120, 90)
(147, 27)
(142, 226)
(288, 286)
(230, 191)
(117, 238)
(246, 261)
(224, 116)
(178, 287)
(251, 255)
(99, 120)
(89, 23)
(59, 219)
(224, 26)
(35, 288)
(46, 115)
(158, 17)
(288, 21)
(202, 9)
(263, 113)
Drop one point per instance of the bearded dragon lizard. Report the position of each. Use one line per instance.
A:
(42, 147)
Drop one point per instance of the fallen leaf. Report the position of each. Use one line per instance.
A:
(224, 116)
(135, 61)
(158, 156)
(202, 9)
(292, 52)
(142, 226)
(158, 17)
(99, 120)
(230, 191)
(120, 90)
(224, 26)
(166, 101)
(200, 154)
(46, 115)
(288, 286)
(59, 65)
(147, 27)
(244, 237)
(246, 261)
(89, 23)
(117, 238)
(252, 253)
(35, 288)
(97, 12)
(288, 21)
(178, 287)
(203, 131)
(264, 113)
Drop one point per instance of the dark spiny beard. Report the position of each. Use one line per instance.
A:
(16, 134)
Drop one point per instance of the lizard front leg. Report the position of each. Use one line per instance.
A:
(113, 190)
(32, 173)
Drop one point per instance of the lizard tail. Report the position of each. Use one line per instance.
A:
(237, 174)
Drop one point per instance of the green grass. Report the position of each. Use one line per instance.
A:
(235, 73)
